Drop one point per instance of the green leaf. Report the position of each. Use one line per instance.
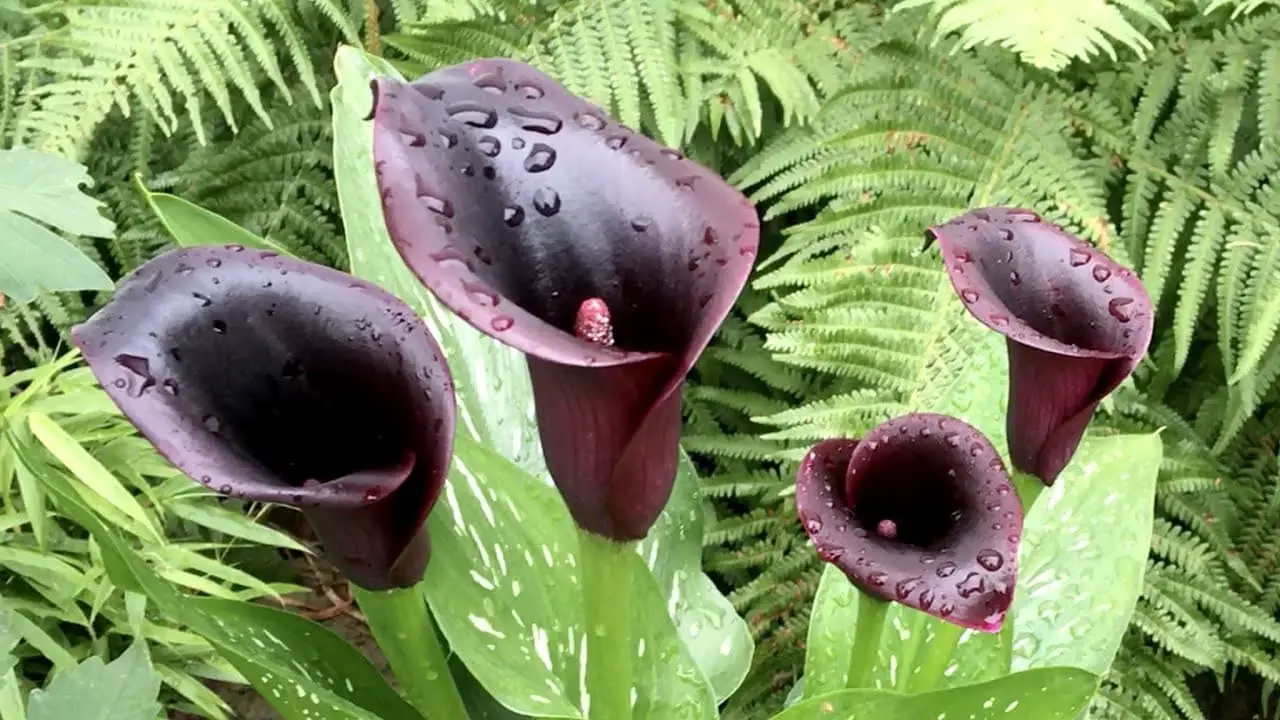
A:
(193, 226)
(124, 689)
(717, 637)
(1084, 550)
(1041, 694)
(503, 584)
(303, 669)
(201, 511)
(908, 635)
(36, 188)
(495, 399)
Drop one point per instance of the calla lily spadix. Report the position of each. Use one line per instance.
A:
(1077, 324)
(277, 380)
(608, 259)
(919, 512)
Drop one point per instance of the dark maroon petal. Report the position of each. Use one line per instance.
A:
(273, 379)
(517, 202)
(919, 512)
(1077, 324)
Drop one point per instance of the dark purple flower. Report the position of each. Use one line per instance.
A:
(273, 379)
(606, 258)
(919, 512)
(1076, 323)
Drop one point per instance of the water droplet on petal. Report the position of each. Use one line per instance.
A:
(211, 423)
(616, 142)
(946, 569)
(530, 91)
(1118, 309)
(219, 327)
(502, 323)
(540, 159)
(641, 223)
(538, 121)
(205, 300)
(990, 559)
(1079, 258)
(813, 525)
(887, 529)
(513, 215)
(969, 295)
(437, 204)
(1101, 273)
(1015, 278)
(489, 146)
(590, 121)
(546, 201)
(904, 588)
(878, 578)
(473, 114)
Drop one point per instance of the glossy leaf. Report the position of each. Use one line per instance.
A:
(39, 189)
(504, 583)
(495, 399)
(1083, 555)
(193, 226)
(1058, 693)
(717, 637)
(303, 669)
(124, 689)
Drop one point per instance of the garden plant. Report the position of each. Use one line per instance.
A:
(639, 359)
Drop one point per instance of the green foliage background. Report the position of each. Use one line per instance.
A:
(1149, 127)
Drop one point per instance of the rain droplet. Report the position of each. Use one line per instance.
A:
(480, 295)
(489, 146)
(1000, 319)
(953, 440)
(184, 269)
(878, 578)
(213, 262)
(513, 215)
(1015, 278)
(501, 323)
(473, 114)
(963, 256)
(1118, 309)
(813, 525)
(887, 529)
(1101, 273)
(437, 204)
(211, 423)
(969, 296)
(220, 327)
(946, 569)
(429, 91)
(451, 255)
(205, 300)
(1079, 257)
(491, 83)
(546, 201)
(641, 223)
(539, 121)
(669, 153)
(170, 386)
(590, 121)
(926, 600)
(990, 559)
(530, 91)
(154, 281)
(540, 159)
(1005, 234)
(709, 236)
(616, 142)
(904, 588)
(139, 366)
(517, 143)
(447, 139)
(373, 494)
(225, 489)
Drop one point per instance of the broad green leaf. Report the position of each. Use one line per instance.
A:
(908, 634)
(124, 689)
(303, 669)
(717, 637)
(9, 637)
(1057, 693)
(495, 400)
(37, 188)
(193, 226)
(503, 584)
(1084, 550)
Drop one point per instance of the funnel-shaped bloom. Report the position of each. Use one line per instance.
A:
(273, 379)
(1076, 323)
(920, 512)
(606, 258)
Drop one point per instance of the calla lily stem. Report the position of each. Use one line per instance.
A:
(402, 626)
(930, 668)
(607, 568)
(866, 640)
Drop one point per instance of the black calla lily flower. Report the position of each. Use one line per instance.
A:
(920, 512)
(277, 380)
(606, 258)
(1077, 324)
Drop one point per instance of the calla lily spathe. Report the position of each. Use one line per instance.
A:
(1077, 324)
(606, 258)
(919, 512)
(277, 380)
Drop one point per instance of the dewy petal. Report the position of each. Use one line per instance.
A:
(1077, 323)
(515, 202)
(273, 379)
(920, 512)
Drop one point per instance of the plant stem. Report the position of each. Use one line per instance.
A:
(606, 568)
(371, 21)
(930, 668)
(866, 640)
(401, 624)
